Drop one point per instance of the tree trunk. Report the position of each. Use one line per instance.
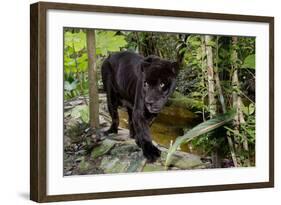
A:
(204, 71)
(236, 99)
(210, 77)
(222, 102)
(211, 93)
(92, 75)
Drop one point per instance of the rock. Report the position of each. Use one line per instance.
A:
(84, 165)
(79, 159)
(153, 167)
(85, 153)
(76, 102)
(103, 148)
(79, 110)
(123, 158)
(177, 116)
(74, 131)
(182, 160)
(179, 100)
(111, 164)
(125, 149)
(123, 135)
(137, 161)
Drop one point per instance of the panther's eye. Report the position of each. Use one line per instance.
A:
(162, 85)
(145, 84)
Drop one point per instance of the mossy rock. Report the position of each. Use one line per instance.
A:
(103, 148)
(84, 165)
(111, 164)
(124, 149)
(176, 116)
(137, 161)
(182, 160)
(153, 167)
(124, 157)
(179, 100)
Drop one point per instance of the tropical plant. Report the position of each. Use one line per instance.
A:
(198, 130)
(217, 73)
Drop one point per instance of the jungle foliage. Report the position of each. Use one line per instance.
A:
(217, 73)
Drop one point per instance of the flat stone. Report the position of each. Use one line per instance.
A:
(113, 165)
(123, 158)
(182, 160)
(84, 165)
(125, 149)
(137, 161)
(153, 167)
(123, 135)
(103, 148)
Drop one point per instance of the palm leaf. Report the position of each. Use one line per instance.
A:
(200, 129)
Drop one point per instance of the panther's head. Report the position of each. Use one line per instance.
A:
(159, 81)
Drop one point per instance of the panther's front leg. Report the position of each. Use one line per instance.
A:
(143, 138)
(130, 122)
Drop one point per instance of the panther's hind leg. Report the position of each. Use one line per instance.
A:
(112, 98)
(112, 104)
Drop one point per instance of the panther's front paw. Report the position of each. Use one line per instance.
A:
(151, 152)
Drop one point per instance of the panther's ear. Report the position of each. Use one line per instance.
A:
(175, 67)
(151, 58)
(147, 61)
(144, 65)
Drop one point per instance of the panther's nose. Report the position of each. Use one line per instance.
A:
(150, 102)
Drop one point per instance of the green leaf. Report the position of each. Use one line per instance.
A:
(68, 50)
(250, 62)
(82, 58)
(211, 43)
(250, 132)
(83, 62)
(198, 130)
(83, 66)
(109, 41)
(195, 43)
(69, 62)
(75, 40)
(70, 86)
(248, 110)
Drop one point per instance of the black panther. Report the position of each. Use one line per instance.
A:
(142, 85)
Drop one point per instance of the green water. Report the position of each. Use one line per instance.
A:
(168, 125)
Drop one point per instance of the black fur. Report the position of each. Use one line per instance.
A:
(143, 86)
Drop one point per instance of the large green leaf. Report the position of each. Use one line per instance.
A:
(69, 65)
(250, 62)
(106, 41)
(248, 110)
(82, 58)
(109, 41)
(83, 62)
(76, 40)
(69, 61)
(200, 129)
